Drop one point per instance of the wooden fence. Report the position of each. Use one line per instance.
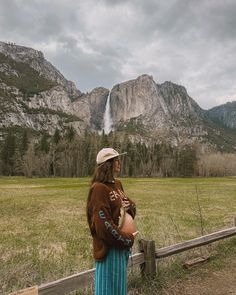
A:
(146, 259)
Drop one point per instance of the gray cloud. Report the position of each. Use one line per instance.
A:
(102, 42)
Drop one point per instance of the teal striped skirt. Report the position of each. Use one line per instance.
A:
(111, 273)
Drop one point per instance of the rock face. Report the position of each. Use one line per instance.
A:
(136, 98)
(97, 99)
(178, 103)
(165, 103)
(166, 108)
(42, 112)
(224, 114)
(55, 105)
(36, 60)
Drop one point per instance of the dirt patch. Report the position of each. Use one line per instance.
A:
(219, 282)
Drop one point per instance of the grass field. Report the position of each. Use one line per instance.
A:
(44, 235)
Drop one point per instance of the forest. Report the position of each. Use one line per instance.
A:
(68, 154)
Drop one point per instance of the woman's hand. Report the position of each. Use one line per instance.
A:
(135, 234)
(125, 203)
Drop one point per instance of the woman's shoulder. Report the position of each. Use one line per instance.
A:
(99, 191)
(118, 184)
(98, 186)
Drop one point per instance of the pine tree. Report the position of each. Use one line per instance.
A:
(18, 163)
(70, 134)
(187, 160)
(44, 144)
(24, 142)
(56, 136)
(7, 154)
(29, 161)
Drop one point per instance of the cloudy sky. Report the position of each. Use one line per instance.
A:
(105, 42)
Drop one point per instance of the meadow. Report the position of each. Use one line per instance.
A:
(44, 235)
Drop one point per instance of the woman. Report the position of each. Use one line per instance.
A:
(110, 217)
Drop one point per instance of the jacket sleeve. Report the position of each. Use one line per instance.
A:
(103, 223)
(132, 208)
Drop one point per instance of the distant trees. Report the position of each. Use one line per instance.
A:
(56, 136)
(217, 164)
(187, 161)
(69, 155)
(7, 154)
(28, 161)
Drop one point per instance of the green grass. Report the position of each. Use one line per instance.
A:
(44, 235)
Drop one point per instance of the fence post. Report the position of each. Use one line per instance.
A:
(148, 268)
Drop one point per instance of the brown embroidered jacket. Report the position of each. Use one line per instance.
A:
(104, 212)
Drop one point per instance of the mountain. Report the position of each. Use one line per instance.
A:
(224, 114)
(35, 95)
(165, 112)
(36, 60)
(166, 106)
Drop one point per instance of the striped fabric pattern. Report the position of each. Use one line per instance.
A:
(111, 273)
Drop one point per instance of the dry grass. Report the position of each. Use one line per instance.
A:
(44, 235)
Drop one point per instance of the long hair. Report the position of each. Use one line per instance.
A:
(103, 173)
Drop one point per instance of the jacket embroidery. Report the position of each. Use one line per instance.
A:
(112, 230)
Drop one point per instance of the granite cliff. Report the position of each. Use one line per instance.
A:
(35, 59)
(164, 111)
(34, 94)
(156, 105)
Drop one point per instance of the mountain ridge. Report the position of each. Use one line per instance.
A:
(224, 114)
(138, 106)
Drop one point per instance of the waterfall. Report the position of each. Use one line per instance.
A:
(107, 116)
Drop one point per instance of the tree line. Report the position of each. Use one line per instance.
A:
(71, 155)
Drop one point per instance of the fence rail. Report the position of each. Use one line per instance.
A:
(80, 280)
(146, 259)
(197, 242)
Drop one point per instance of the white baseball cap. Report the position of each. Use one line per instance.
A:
(107, 154)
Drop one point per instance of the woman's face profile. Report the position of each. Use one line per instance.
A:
(116, 165)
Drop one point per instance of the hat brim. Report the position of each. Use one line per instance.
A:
(112, 157)
(124, 153)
